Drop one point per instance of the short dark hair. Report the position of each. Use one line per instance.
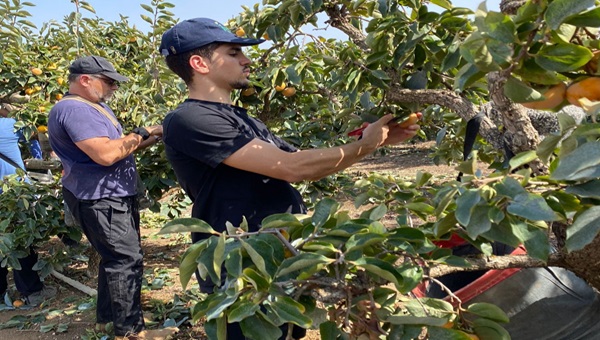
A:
(179, 63)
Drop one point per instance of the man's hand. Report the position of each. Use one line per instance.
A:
(401, 131)
(155, 130)
(386, 131)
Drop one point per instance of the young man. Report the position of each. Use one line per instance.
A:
(99, 187)
(228, 163)
(27, 280)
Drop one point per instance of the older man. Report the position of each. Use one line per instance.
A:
(99, 187)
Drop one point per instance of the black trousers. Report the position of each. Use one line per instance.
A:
(27, 280)
(112, 225)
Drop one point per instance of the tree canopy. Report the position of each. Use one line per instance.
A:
(399, 57)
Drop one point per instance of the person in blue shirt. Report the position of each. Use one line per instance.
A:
(27, 280)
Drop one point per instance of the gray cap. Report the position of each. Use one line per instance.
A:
(96, 65)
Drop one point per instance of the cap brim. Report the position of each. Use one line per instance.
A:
(245, 41)
(115, 76)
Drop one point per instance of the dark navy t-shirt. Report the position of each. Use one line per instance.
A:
(198, 136)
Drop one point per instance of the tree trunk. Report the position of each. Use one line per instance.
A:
(519, 133)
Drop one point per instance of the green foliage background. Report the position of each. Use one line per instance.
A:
(410, 59)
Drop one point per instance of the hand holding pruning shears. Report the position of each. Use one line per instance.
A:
(408, 122)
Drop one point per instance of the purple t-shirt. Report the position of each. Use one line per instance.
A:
(71, 121)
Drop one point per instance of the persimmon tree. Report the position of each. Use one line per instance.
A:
(352, 276)
(401, 57)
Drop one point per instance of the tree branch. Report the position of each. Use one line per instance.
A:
(499, 263)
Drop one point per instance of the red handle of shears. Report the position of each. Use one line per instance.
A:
(357, 132)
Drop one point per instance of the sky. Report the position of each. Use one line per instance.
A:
(220, 10)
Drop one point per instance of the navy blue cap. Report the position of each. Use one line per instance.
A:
(194, 33)
(96, 65)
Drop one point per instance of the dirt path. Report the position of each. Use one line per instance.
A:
(71, 314)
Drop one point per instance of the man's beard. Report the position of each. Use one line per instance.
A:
(103, 98)
(240, 84)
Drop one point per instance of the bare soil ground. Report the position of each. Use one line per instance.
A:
(71, 314)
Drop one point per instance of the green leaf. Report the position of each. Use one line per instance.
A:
(522, 159)
(382, 269)
(581, 164)
(467, 75)
(589, 189)
(407, 234)
(292, 75)
(452, 59)
(566, 122)
(547, 147)
(509, 187)
(306, 5)
(440, 333)
(564, 33)
(270, 250)
(457, 261)
(383, 7)
(536, 242)
(501, 27)
(559, 10)
(219, 255)
(479, 222)
(147, 8)
(233, 262)
(429, 307)
(242, 311)
(347, 229)
(258, 327)
(534, 73)
(442, 3)
(378, 212)
(188, 264)
(445, 224)
(443, 199)
(584, 229)
(415, 320)
(259, 282)
(188, 224)
(323, 248)
(475, 50)
(417, 80)
(205, 261)
(360, 241)
(563, 57)
(216, 329)
(488, 311)
(518, 92)
(532, 207)
(586, 19)
(257, 259)
(215, 311)
(280, 220)
(323, 211)
(420, 207)
(488, 329)
(465, 204)
(288, 310)
(329, 330)
(302, 261)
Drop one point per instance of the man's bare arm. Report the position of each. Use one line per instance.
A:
(266, 159)
(105, 151)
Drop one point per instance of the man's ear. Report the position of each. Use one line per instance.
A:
(199, 64)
